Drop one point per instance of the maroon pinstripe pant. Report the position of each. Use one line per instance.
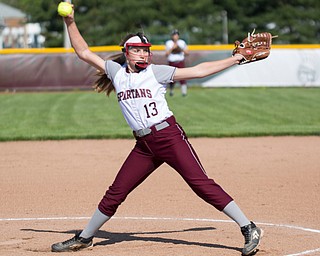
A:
(178, 64)
(170, 146)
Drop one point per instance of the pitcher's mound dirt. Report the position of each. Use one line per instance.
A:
(49, 189)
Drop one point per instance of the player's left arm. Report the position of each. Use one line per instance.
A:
(206, 68)
(185, 49)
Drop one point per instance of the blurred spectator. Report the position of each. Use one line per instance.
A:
(176, 50)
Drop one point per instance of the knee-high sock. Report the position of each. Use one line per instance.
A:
(234, 212)
(96, 222)
(184, 89)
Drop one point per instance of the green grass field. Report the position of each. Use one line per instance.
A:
(215, 112)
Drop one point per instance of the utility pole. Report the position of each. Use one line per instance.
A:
(224, 17)
(66, 41)
(2, 27)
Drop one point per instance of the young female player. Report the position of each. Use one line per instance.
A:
(140, 89)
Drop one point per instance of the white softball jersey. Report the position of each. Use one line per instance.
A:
(177, 56)
(141, 96)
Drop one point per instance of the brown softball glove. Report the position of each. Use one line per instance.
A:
(176, 50)
(254, 47)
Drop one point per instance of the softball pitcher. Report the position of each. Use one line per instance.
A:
(140, 88)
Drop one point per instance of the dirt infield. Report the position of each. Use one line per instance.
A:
(49, 189)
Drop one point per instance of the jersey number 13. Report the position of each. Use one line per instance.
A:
(151, 109)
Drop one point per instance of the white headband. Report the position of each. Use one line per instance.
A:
(135, 40)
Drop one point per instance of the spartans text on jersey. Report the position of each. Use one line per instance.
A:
(134, 93)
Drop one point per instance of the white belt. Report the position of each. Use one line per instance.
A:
(146, 131)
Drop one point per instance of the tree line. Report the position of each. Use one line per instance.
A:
(106, 22)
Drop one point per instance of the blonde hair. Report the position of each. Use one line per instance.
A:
(103, 83)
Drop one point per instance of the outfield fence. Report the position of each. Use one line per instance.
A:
(60, 69)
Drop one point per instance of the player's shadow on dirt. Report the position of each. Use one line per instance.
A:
(114, 238)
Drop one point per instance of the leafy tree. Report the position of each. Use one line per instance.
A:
(105, 22)
(295, 21)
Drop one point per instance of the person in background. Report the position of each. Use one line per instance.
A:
(176, 51)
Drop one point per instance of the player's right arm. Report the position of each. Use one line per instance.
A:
(80, 46)
(169, 48)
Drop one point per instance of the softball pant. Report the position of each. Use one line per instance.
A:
(169, 145)
(178, 64)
